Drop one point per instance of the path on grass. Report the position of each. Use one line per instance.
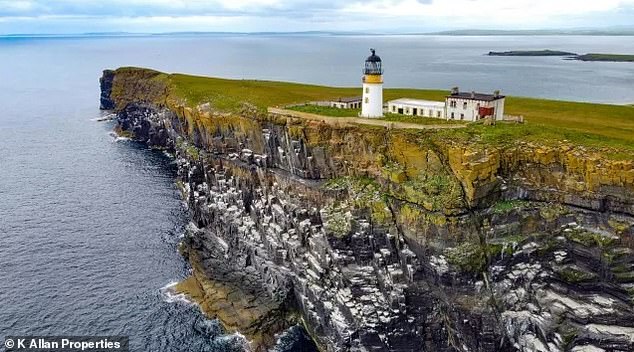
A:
(362, 121)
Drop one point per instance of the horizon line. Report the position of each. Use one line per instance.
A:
(614, 30)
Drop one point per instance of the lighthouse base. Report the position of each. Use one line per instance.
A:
(372, 103)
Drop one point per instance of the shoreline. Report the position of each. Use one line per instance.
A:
(393, 240)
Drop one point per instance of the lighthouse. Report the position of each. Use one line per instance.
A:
(372, 104)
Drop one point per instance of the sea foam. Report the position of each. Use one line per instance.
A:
(170, 294)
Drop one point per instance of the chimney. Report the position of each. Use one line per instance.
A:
(496, 93)
(472, 94)
(455, 90)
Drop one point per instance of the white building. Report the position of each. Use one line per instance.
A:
(416, 107)
(457, 106)
(346, 103)
(372, 104)
(474, 106)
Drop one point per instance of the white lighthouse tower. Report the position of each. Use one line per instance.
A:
(372, 103)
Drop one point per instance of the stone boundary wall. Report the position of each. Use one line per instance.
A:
(331, 120)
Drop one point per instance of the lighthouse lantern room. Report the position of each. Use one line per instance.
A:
(372, 103)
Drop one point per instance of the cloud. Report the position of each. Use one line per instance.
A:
(149, 8)
(289, 15)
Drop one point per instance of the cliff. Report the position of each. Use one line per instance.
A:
(391, 239)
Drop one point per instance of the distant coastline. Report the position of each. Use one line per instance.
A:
(616, 31)
(627, 31)
(566, 55)
(532, 53)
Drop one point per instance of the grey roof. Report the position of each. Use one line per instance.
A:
(475, 96)
(349, 100)
(418, 102)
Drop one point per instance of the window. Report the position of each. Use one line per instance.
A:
(393, 108)
(464, 106)
(462, 116)
(367, 100)
(452, 115)
(407, 110)
(438, 113)
(431, 113)
(367, 89)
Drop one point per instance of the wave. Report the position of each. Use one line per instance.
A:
(170, 295)
(117, 138)
(106, 117)
(294, 338)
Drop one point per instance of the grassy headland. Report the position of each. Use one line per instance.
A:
(326, 110)
(547, 121)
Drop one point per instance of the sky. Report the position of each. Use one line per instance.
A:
(388, 16)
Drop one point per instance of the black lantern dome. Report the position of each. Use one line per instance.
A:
(373, 64)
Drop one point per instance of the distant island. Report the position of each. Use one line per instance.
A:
(531, 53)
(567, 55)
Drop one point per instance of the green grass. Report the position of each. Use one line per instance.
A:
(606, 57)
(506, 206)
(229, 95)
(326, 110)
(573, 276)
(336, 112)
(549, 121)
(419, 120)
(549, 131)
(226, 94)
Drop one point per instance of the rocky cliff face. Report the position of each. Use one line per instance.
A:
(393, 240)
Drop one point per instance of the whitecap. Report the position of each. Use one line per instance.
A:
(171, 296)
(235, 339)
(116, 137)
(106, 117)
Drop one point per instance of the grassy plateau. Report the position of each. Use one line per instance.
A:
(546, 121)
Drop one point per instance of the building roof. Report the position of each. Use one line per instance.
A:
(374, 57)
(348, 100)
(418, 102)
(475, 96)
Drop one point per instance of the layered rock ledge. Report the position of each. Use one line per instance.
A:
(393, 240)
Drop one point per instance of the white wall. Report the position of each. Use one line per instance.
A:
(408, 109)
(499, 109)
(460, 112)
(342, 105)
(372, 102)
(471, 111)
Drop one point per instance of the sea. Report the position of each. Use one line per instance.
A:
(90, 223)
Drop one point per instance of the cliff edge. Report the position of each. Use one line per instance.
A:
(390, 239)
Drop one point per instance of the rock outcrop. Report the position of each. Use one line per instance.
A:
(393, 240)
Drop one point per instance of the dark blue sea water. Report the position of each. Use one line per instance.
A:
(89, 225)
